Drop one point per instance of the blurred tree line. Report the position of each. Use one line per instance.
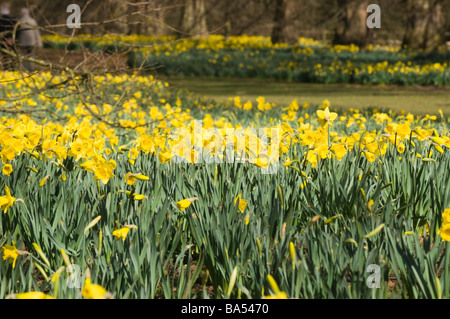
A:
(423, 24)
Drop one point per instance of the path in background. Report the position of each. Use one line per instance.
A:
(417, 100)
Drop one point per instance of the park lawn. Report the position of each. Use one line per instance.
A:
(415, 99)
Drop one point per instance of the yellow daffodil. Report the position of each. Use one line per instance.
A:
(401, 148)
(185, 203)
(7, 169)
(277, 293)
(242, 203)
(446, 216)
(6, 201)
(292, 253)
(325, 116)
(93, 291)
(129, 179)
(10, 252)
(139, 196)
(164, 156)
(439, 148)
(444, 232)
(104, 171)
(247, 219)
(261, 161)
(33, 295)
(370, 156)
(121, 233)
(141, 177)
(7, 154)
(43, 181)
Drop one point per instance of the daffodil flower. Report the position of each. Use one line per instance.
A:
(185, 203)
(444, 232)
(121, 233)
(93, 291)
(326, 116)
(33, 295)
(261, 161)
(43, 181)
(446, 216)
(139, 196)
(277, 293)
(11, 252)
(141, 177)
(104, 171)
(136, 196)
(7, 169)
(6, 201)
(164, 156)
(242, 203)
(129, 179)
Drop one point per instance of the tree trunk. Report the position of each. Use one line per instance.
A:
(118, 11)
(133, 21)
(227, 26)
(425, 24)
(352, 23)
(193, 19)
(157, 20)
(279, 21)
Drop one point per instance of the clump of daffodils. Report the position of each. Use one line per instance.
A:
(444, 232)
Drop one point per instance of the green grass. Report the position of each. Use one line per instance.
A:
(416, 99)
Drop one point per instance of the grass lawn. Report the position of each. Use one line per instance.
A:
(417, 100)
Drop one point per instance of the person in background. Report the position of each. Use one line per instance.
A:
(7, 24)
(28, 37)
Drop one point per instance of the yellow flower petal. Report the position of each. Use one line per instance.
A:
(185, 203)
(33, 295)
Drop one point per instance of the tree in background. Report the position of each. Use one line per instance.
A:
(279, 21)
(193, 19)
(425, 24)
(416, 23)
(351, 24)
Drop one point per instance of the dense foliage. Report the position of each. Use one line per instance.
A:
(132, 190)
